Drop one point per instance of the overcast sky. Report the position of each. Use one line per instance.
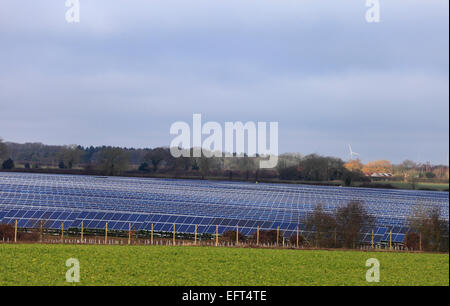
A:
(131, 68)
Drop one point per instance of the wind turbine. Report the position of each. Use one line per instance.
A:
(351, 152)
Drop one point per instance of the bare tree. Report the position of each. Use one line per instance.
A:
(433, 230)
(323, 225)
(350, 220)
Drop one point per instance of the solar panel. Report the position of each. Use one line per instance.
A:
(31, 198)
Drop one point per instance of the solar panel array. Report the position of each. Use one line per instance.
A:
(30, 198)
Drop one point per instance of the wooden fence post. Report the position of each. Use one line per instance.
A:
(15, 231)
(129, 233)
(195, 235)
(390, 240)
(173, 234)
(82, 229)
(257, 235)
(151, 235)
(237, 234)
(278, 234)
(62, 231)
(106, 233)
(40, 231)
(420, 242)
(372, 238)
(297, 237)
(217, 235)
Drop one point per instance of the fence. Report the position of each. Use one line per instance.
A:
(271, 238)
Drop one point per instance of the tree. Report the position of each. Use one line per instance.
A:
(350, 220)
(246, 164)
(289, 173)
(61, 165)
(412, 241)
(433, 230)
(204, 165)
(71, 156)
(323, 225)
(314, 167)
(354, 165)
(413, 179)
(144, 167)
(8, 164)
(155, 156)
(378, 166)
(113, 161)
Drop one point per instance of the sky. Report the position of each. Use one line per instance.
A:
(129, 69)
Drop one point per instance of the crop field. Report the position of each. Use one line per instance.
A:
(32, 264)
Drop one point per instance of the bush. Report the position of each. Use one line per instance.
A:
(230, 236)
(412, 241)
(6, 232)
(289, 173)
(301, 240)
(28, 236)
(433, 229)
(269, 237)
(8, 164)
(144, 167)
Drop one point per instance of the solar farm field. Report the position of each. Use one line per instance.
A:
(93, 202)
(34, 264)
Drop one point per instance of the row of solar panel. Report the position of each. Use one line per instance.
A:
(79, 203)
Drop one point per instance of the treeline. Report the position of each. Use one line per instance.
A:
(407, 170)
(108, 160)
(117, 161)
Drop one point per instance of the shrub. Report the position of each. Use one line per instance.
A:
(8, 164)
(301, 240)
(412, 241)
(269, 237)
(230, 236)
(289, 173)
(144, 167)
(6, 232)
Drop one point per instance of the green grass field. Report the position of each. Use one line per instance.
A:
(161, 265)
